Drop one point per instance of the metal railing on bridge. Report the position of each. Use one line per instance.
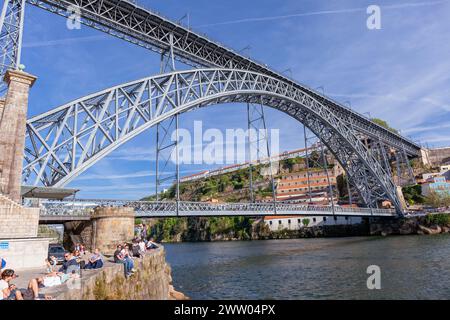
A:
(84, 208)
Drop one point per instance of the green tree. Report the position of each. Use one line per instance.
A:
(437, 200)
(305, 222)
(341, 183)
(384, 124)
(413, 194)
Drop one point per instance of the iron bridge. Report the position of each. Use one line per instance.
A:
(81, 209)
(65, 141)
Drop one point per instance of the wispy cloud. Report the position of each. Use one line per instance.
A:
(426, 128)
(65, 41)
(139, 174)
(322, 12)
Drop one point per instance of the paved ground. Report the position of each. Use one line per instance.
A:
(25, 275)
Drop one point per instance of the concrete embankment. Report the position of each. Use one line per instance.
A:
(151, 281)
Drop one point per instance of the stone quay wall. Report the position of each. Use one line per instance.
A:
(17, 221)
(21, 248)
(151, 281)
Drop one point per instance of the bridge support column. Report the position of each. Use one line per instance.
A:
(19, 244)
(110, 227)
(12, 132)
(2, 107)
(401, 198)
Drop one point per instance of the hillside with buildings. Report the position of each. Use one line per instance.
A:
(315, 179)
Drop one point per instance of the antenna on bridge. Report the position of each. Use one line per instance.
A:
(186, 16)
(248, 47)
(348, 103)
(288, 70)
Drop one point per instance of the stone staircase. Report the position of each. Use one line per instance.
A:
(4, 200)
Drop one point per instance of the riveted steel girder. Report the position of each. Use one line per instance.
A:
(140, 26)
(65, 141)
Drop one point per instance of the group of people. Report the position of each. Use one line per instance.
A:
(75, 260)
(124, 255)
(70, 269)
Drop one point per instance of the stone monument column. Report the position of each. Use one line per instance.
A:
(12, 132)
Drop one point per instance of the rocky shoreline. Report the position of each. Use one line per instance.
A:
(423, 225)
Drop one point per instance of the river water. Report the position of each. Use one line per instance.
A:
(412, 267)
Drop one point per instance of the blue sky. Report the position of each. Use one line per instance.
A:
(399, 73)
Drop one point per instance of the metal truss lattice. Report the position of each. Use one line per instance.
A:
(64, 142)
(133, 23)
(11, 25)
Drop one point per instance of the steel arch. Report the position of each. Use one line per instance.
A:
(63, 142)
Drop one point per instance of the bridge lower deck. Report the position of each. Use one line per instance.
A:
(81, 209)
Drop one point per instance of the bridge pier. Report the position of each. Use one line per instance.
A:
(111, 226)
(19, 243)
(108, 227)
(12, 132)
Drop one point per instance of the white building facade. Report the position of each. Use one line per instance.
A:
(277, 223)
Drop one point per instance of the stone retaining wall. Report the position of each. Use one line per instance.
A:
(152, 281)
(17, 221)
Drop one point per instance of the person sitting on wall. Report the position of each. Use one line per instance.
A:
(9, 291)
(79, 258)
(82, 249)
(54, 279)
(135, 249)
(95, 261)
(127, 256)
(144, 231)
(138, 230)
(51, 264)
(142, 247)
(70, 262)
(120, 258)
(151, 244)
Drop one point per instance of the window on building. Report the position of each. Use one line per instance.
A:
(270, 222)
(279, 221)
(298, 221)
(314, 219)
(324, 218)
(289, 221)
(346, 218)
(335, 218)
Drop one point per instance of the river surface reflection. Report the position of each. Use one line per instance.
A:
(412, 267)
